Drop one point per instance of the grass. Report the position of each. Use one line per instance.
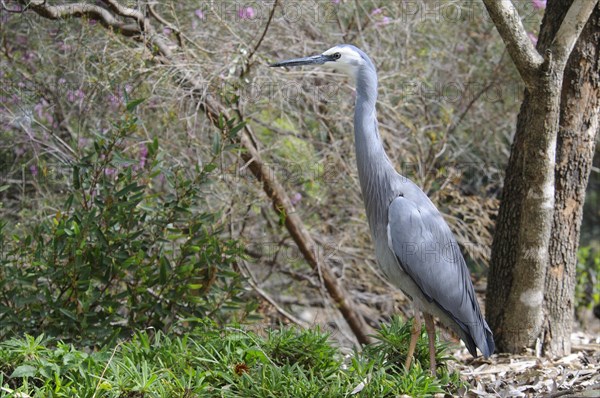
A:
(229, 362)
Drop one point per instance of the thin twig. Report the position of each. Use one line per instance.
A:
(264, 33)
(475, 98)
(114, 351)
(266, 296)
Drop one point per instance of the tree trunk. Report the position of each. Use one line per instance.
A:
(520, 248)
(579, 126)
(519, 281)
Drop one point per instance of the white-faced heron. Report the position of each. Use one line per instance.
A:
(413, 244)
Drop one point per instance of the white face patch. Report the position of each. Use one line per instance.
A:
(348, 62)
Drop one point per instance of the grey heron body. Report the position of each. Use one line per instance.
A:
(414, 246)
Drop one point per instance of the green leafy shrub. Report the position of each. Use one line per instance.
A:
(391, 348)
(130, 248)
(214, 361)
(393, 339)
(587, 288)
(310, 350)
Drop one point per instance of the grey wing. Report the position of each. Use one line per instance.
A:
(427, 251)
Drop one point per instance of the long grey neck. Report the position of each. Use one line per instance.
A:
(375, 170)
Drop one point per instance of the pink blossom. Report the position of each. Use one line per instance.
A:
(167, 31)
(376, 11)
(73, 96)
(41, 109)
(296, 198)
(62, 46)
(246, 13)
(384, 21)
(335, 1)
(110, 171)
(34, 170)
(143, 155)
(115, 101)
(199, 14)
(28, 56)
(539, 4)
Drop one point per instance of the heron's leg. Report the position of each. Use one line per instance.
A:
(430, 327)
(415, 332)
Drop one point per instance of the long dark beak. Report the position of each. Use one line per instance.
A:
(314, 60)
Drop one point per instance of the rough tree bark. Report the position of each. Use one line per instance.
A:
(521, 254)
(579, 127)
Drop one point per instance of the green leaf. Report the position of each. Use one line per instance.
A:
(209, 167)
(256, 353)
(129, 188)
(100, 236)
(165, 267)
(68, 313)
(194, 286)
(76, 182)
(69, 201)
(24, 371)
(236, 129)
(131, 105)
(76, 229)
(216, 144)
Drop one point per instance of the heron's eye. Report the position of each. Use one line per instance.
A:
(336, 56)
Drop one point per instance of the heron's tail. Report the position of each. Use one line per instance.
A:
(477, 335)
(487, 346)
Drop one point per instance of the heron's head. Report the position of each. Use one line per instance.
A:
(344, 58)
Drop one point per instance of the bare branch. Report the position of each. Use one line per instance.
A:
(570, 29)
(78, 10)
(508, 22)
(125, 11)
(106, 18)
(264, 33)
